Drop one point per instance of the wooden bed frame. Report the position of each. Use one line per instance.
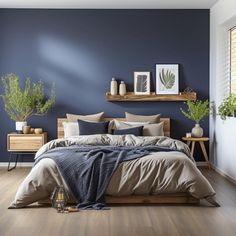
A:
(178, 198)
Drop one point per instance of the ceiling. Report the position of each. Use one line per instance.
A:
(112, 4)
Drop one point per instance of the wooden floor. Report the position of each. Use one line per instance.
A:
(164, 220)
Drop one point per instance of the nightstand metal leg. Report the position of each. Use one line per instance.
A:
(205, 153)
(9, 163)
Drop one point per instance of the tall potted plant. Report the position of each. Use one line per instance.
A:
(20, 104)
(196, 111)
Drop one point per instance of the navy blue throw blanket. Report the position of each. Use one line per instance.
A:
(87, 170)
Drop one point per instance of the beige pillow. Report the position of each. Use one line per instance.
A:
(139, 118)
(148, 129)
(94, 117)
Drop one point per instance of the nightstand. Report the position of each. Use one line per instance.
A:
(201, 141)
(18, 144)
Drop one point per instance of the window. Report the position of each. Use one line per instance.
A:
(233, 60)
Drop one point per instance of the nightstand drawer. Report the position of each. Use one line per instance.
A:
(26, 142)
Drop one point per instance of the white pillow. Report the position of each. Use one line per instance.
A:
(71, 129)
(148, 129)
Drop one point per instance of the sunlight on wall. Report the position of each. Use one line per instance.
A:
(62, 55)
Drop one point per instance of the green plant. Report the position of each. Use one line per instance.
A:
(196, 110)
(19, 103)
(227, 107)
(167, 79)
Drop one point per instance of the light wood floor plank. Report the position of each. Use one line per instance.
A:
(131, 220)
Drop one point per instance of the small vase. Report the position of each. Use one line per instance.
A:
(197, 131)
(122, 88)
(26, 129)
(20, 125)
(113, 88)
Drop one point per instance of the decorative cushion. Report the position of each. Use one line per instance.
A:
(70, 129)
(137, 131)
(94, 117)
(139, 118)
(148, 129)
(89, 128)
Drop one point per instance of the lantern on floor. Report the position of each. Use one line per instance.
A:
(59, 198)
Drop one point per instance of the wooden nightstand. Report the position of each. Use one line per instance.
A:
(19, 144)
(201, 142)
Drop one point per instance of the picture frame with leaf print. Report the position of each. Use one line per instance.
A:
(167, 79)
(142, 82)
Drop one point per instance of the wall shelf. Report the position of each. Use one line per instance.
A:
(131, 97)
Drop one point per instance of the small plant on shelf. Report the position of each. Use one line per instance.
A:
(20, 104)
(196, 111)
(227, 107)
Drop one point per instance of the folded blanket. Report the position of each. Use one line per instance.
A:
(87, 170)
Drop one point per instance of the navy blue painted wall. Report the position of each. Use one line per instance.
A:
(81, 50)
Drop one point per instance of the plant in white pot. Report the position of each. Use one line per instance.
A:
(20, 104)
(196, 111)
(228, 107)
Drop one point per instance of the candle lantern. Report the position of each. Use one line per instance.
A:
(59, 198)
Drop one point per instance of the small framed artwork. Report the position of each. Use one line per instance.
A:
(142, 82)
(167, 79)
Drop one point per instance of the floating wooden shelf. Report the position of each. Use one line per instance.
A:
(131, 97)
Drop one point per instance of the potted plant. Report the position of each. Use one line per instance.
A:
(20, 104)
(196, 111)
(227, 107)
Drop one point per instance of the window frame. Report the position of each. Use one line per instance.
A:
(230, 58)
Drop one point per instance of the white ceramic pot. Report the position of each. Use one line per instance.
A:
(197, 131)
(114, 88)
(19, 126)
(122, 88)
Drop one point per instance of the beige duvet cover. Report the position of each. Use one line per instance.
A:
(156, 173)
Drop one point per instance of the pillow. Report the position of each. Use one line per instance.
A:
(94, 117)
(137, 131)
(124, 124)
(70, 129)
(138, 118)
(148, 129)
(89, 128)
(154, 129)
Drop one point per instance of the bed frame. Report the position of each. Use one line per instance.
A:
(178, 198)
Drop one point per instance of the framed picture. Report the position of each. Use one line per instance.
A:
(142, 82)
(167, 78)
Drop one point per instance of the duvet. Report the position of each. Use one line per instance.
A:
(155, 173)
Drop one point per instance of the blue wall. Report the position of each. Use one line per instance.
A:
(81, 50)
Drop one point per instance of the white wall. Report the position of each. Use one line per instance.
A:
(222, 134)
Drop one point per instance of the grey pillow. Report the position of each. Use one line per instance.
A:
(93, 117)
(139, 118)
(137, 131)
(148, 129)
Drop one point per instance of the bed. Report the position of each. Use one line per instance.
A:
(163, 177)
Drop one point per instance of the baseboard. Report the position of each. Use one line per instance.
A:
(19, 164)
(222, 173)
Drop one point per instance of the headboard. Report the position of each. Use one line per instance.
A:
(60, 128)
